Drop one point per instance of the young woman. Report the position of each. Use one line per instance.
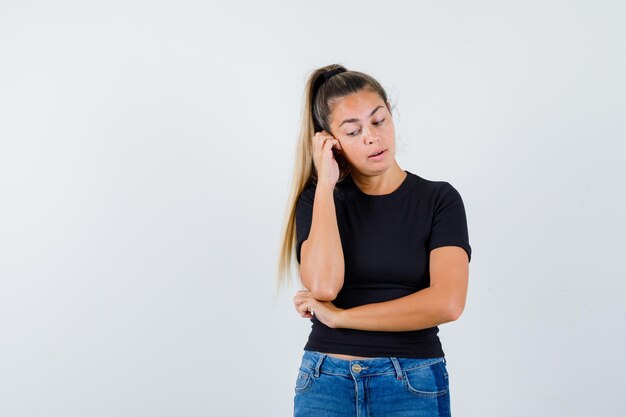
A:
(384, 259)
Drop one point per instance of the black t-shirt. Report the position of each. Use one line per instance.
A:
(386, 241)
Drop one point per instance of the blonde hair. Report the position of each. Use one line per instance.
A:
(315, 117)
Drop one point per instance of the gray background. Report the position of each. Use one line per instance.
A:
(146, 152)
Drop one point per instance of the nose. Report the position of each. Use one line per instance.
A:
(370, 136)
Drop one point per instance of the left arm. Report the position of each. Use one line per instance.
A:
(442, 302)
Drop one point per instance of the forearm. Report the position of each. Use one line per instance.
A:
(322, 262)
(423, 309)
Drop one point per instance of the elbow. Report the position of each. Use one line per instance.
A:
(322, 291)
(324, 286)
(325, 294)
(454, 311)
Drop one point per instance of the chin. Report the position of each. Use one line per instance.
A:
(379, 169)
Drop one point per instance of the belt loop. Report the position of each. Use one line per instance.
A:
(319, 364)
(397, 367)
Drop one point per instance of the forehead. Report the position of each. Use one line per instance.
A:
(356, 105)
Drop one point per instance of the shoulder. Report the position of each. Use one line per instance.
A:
(434, 188)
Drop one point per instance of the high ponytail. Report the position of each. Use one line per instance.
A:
(324, 85)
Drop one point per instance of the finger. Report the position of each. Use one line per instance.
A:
(317, 140)
(324, 144)
(305, 314)
(321, 137)
(319, 145)
(301, 296)
(303, 309)
(299, 299)
(328, 145)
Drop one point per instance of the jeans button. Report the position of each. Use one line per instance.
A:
(356, 368)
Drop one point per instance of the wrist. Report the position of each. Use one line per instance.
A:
(341, 319)
(325, 186)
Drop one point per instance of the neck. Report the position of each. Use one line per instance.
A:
(382, 183)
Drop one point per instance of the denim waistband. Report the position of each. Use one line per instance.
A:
(318, 362)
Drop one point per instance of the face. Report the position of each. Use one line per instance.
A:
(363, 125)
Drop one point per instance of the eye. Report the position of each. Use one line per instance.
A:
(353, 133)
(379, 122)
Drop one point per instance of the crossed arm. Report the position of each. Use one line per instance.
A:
(322, 273)
(442, 302)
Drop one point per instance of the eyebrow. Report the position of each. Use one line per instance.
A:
(356, 120)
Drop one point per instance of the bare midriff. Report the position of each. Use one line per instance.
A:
(347, 357)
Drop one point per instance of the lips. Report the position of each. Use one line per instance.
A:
(377, 152)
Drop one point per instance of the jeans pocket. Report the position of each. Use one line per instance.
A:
(427, 381)
(304, 380)
(444, 369)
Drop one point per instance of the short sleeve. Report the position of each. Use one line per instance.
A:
(304, 215)
(449, 227)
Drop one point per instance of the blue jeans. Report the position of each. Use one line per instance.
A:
(377, 387)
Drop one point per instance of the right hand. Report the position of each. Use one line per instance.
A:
(324, 158)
